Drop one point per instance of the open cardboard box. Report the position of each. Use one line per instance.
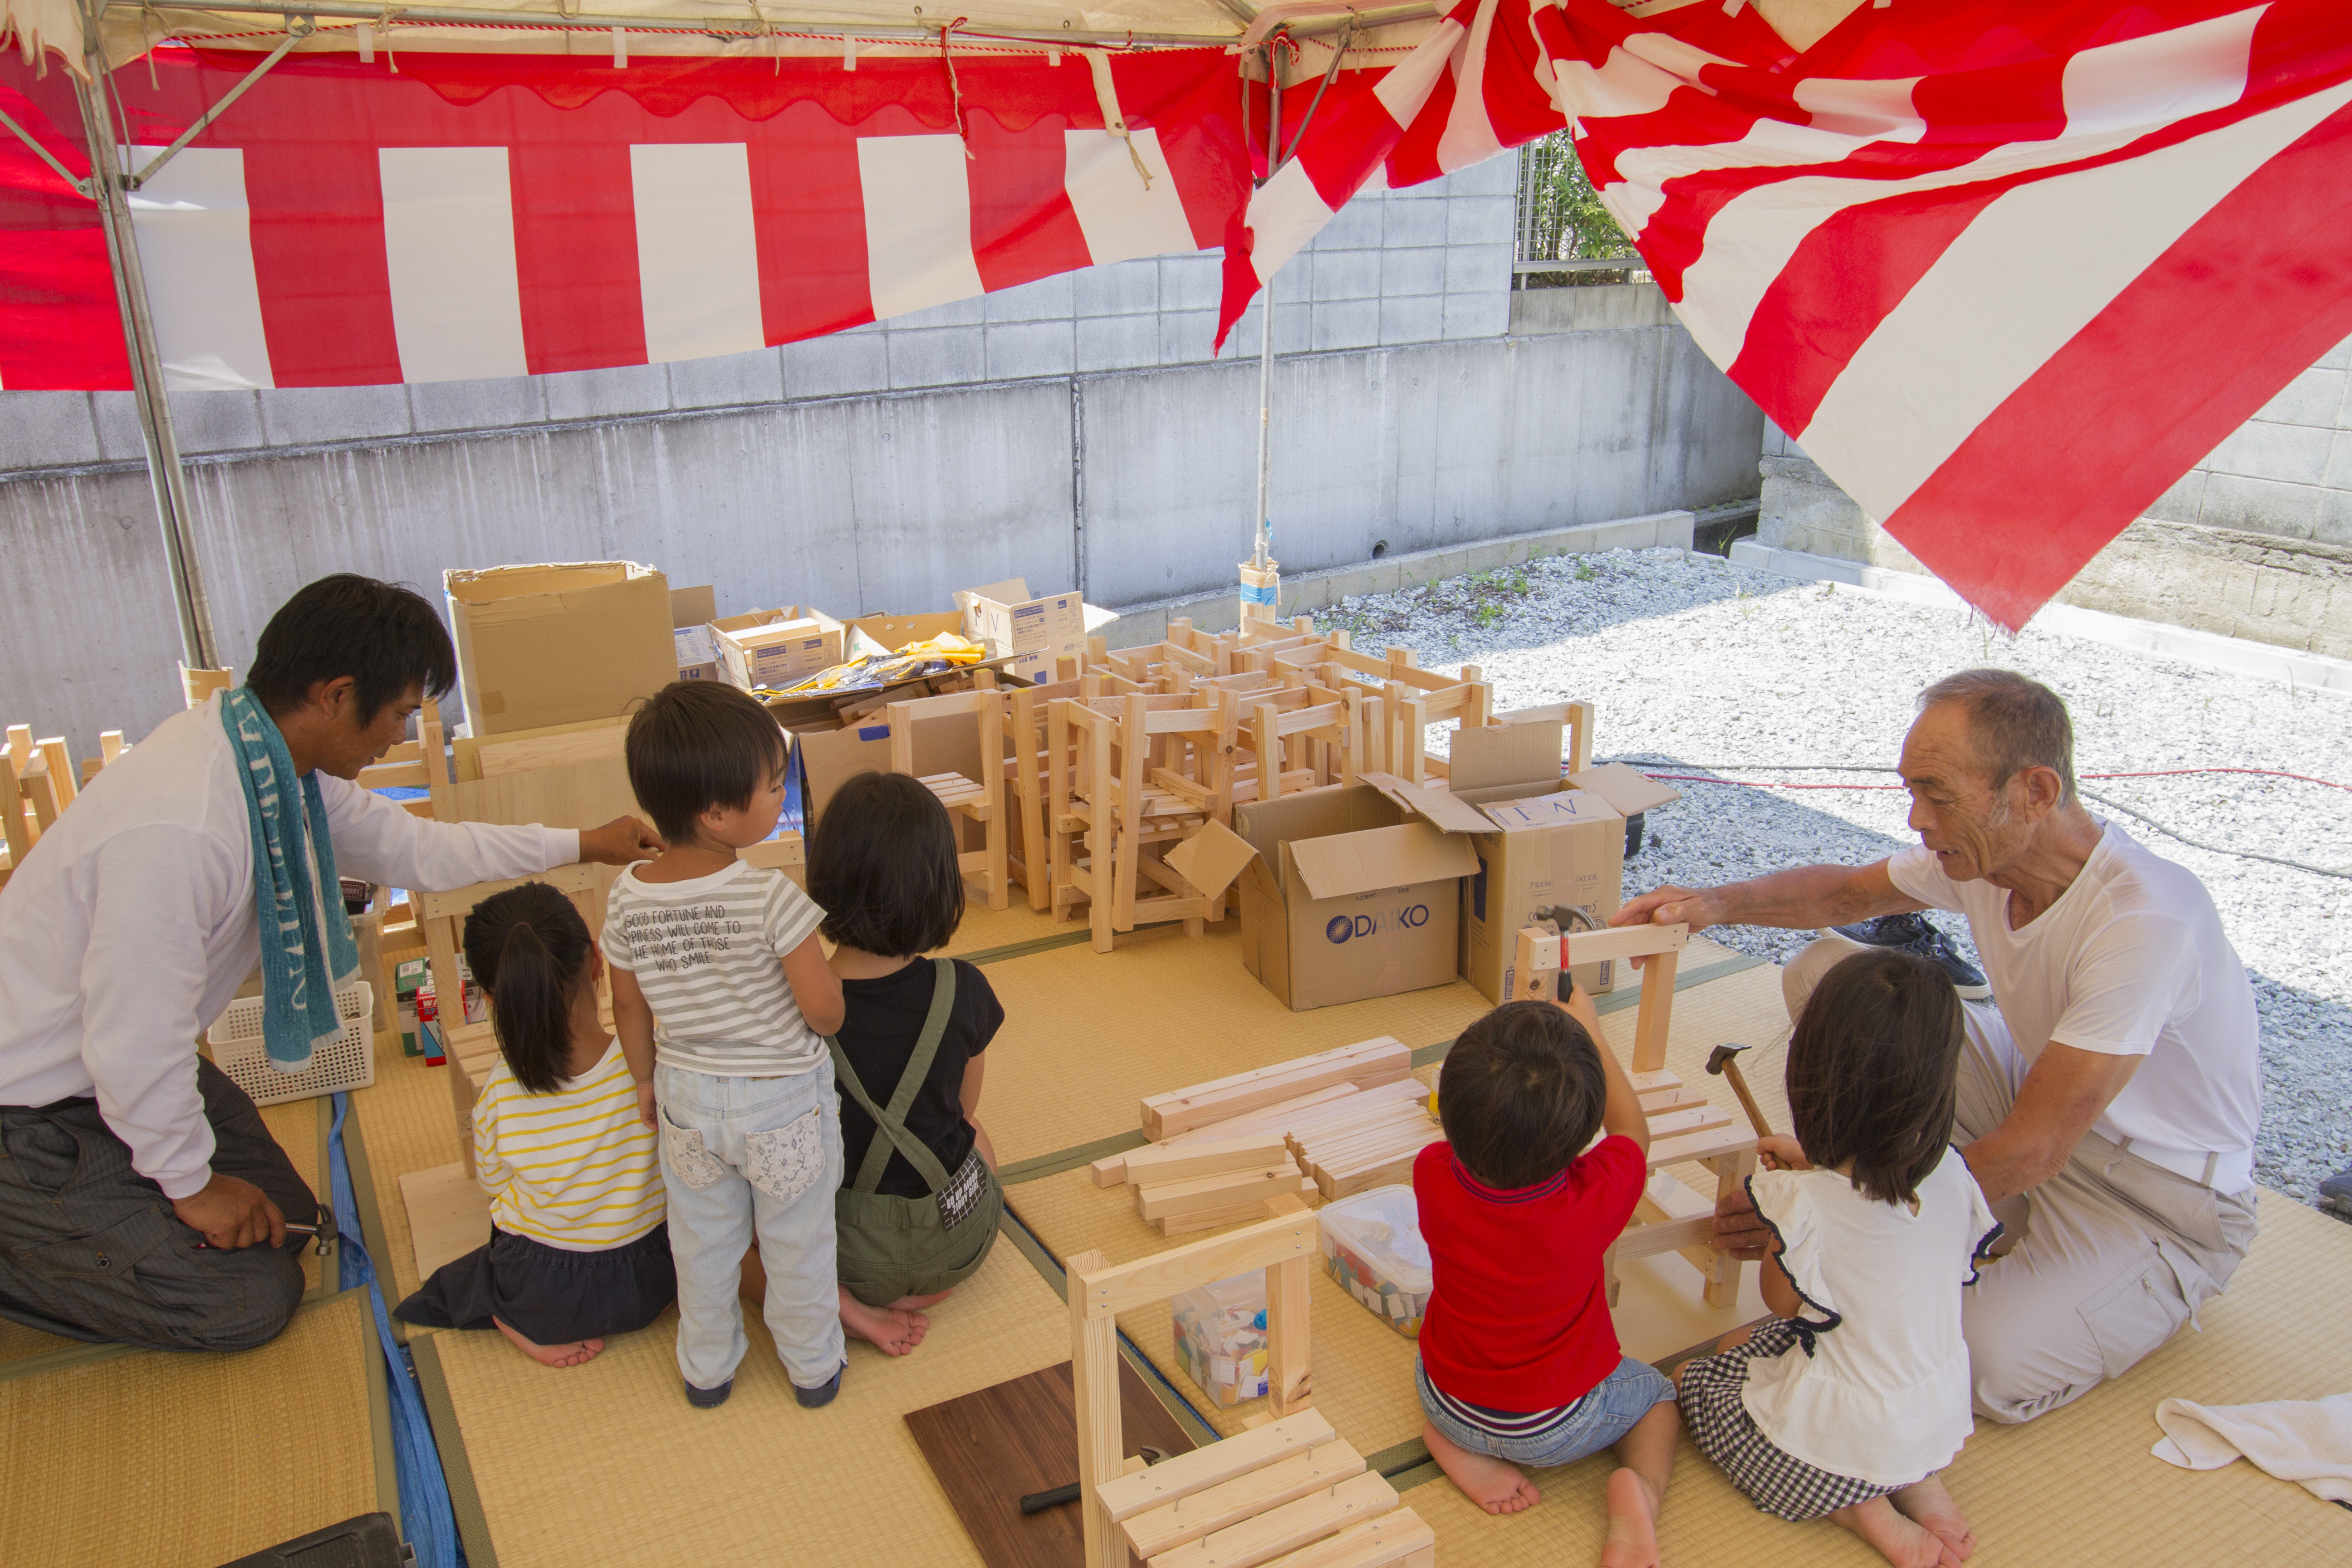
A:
(1035, 632)
(1539, 840)
(1350, 896)
(558, 643)
(777, 647)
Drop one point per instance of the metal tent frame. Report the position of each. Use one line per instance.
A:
(109, 184)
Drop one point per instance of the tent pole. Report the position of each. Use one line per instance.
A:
(163, 472)
(1260, 557)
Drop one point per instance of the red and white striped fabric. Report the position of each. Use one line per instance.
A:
(2006, 272)
(494, 216)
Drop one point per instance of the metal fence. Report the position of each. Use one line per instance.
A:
(1565, 236)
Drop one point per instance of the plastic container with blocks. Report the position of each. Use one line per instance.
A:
(1372, 1248)
(1221, 1337)
(347, 1061)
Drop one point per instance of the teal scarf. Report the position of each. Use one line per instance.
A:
(295, 891)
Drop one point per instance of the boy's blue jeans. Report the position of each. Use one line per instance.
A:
(1608, 1413)
(742, 1155)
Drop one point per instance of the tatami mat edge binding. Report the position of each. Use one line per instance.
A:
(371, 1232)
(457, 1465)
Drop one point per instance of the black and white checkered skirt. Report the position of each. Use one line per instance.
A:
(1719, 1421)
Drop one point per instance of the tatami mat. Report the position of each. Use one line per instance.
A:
(295, 1125)
(2077, 1486)
(148, 1460)
(607, 1464)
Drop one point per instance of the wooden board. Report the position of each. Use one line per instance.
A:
(989, 1448)
(448, 1215)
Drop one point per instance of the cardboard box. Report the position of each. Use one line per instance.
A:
(1350, 896)
(693, 606)
(699, 657)
(777, 647)
(558, 644)
(823, 760)
(1034, 632)
(895, 632)
(1540, 841)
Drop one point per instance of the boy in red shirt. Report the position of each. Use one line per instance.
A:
(1519, 1363)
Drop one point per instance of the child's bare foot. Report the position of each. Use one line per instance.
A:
(1899, 1541)
(1493, 1485)
(1929, 1506)
(1633, 1523)
(573, 1354)
(889, 1329)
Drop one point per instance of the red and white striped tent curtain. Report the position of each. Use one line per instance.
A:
(2006, 271)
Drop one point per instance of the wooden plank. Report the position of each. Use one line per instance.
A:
(1100, 1292)
(991, 1448)
(1208, 1158)
(1102, 1445)
(1287, 1527)
(1218, 1219)
(1699, 1146)
(1187, 1519)
(1666, 1236)
(1689, 1118)
(1651, 1018)
(1657, 1099)
(1197, 1471)
(1111, 1170)
(1222, 1098)
(63, 777)
(498, 755)
(1161, 1199)
(1400, 1537)
(1624, 941)
(465, 749)
(1290, 1386)
(1652, 1082)
(448, 1215)
(460, 902)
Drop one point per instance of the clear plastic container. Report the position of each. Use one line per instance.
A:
(1221, 1337)
(1372, 1248)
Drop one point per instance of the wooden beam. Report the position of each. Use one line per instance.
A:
(1289, 1380)
(1185, 1475)
(1094, 1386)
(1104, 1292)
(1286, 1528)
(1188, 1519)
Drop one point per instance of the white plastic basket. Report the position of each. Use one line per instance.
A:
(347, 1061)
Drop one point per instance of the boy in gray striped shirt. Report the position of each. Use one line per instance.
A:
(722, 1000)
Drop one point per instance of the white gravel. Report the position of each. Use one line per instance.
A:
(1690, 660)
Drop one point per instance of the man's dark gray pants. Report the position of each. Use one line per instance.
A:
(92, 1250)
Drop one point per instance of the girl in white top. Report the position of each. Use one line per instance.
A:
(1850, 1402)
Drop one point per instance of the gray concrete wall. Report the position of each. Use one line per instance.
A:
(2255, 542)
(1072, 432)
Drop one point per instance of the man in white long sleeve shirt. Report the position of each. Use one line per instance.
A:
(126, 932)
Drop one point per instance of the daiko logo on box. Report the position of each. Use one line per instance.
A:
(1346, 928)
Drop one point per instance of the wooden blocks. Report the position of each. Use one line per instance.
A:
(1353, 1146)
(1365, 1064)
(1187, 1519)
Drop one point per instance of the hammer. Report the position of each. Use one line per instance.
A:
(1719, 1064)
(1038, 1502)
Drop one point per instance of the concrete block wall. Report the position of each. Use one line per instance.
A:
(2254, 542)
(1072, 432)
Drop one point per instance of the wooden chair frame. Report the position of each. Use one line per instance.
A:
(1030, 771)
(1670, 1218)
(1103, 803)
(1284, 1245)
(981, 799)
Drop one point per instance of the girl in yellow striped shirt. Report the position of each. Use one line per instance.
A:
(578, 1248)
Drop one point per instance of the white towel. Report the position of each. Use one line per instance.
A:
(2303, 1440)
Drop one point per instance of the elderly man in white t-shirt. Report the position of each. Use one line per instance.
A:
(142, 1201)
(2110, 1090)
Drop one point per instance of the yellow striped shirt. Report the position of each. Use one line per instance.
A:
(576, 1169)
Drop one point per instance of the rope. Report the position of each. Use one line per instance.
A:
(426, 1521)
(2340, 873)
(955, 88)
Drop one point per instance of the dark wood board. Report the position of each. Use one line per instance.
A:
(990, 1449)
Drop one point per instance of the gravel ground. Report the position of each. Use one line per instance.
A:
(1698, 666)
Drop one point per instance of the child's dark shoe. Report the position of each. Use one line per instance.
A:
(712, 1398)
(817, 1398)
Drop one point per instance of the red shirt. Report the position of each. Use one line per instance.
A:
(1518, 1313)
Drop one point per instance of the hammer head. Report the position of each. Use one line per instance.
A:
(1152, 1456)
(1718, 1057)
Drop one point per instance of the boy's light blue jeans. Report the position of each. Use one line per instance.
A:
(740, 1155)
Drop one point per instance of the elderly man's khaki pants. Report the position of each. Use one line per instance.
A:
(2099, 1265)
